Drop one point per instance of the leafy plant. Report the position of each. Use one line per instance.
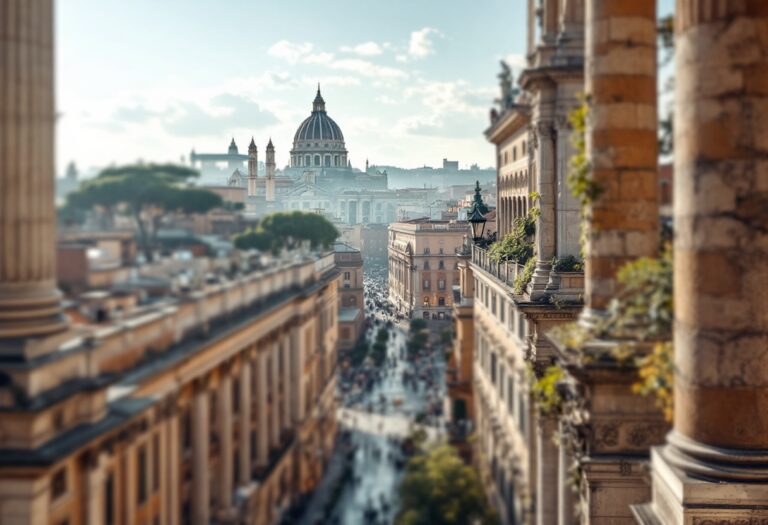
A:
(579, 180)
(657, 377)
(567, 264)
(524, 277)
(545, 392)
(440, 489)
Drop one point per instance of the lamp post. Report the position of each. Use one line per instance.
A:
(477, 222)
(477, 215)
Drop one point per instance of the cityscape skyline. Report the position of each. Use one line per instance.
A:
(397, 78)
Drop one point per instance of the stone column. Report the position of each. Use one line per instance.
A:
(296, 360)
(275, 406)
(545, 224)
(226, 450)
(262, 408)
(94, 497)
(201, 498)
(550, 21)
(246, 383)
(546, 472)
(29, 300)
(531, 33)
(622, 141)
(568, 213)
(173, 449)
(285, 348)
(566, 512)
(713, 467)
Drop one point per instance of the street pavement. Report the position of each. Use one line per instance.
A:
(378, 412)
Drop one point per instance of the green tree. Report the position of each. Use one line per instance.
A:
(440, 489)
(289, 230)
(382, 335)
(148, 192)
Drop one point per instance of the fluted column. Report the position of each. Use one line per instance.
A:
(245, 422)
(200, 462)
(29, 300)
(622, 141)
(226, 451)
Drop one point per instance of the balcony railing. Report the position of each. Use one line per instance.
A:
(506, 271)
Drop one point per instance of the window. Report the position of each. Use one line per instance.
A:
(317, 160)
(426, 284)
(441, 252)
(511, 394)
(346, 276)
(141, 477)
(58, 484)
(441, 264)
(441, 301)
(426, 265)
(493, 368)
(426, 250)
(441, 284)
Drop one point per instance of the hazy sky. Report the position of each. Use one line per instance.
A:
(408, 81)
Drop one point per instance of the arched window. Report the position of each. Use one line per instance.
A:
(335, 160)
(328, 161)
(307, 160)
(317, 160)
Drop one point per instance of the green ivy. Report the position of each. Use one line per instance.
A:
(544, 389)
(567, 264)
(579, 178)
(524, 277)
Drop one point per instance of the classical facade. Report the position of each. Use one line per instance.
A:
(213, 405)
(349, 261)
(423, 266)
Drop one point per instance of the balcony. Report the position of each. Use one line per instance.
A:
(506, 271)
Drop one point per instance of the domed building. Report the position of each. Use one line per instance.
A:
(319, 142)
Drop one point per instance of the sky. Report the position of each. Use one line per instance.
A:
(408, 81)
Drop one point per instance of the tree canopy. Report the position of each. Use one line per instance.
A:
(440, 489)
(288, 230)
(147, 192)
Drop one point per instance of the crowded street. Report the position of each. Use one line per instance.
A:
(383, 407)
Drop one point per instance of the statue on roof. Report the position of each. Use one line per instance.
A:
(508, 91)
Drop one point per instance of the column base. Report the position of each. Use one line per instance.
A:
(682, 495)
(537, 288)
(30, 310)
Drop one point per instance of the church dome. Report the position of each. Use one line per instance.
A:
(319, 142)
(318, 126)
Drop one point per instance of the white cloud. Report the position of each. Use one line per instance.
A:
(422, 43)
(332, 80)
(318, 58)
(367, 68)
(516, 60)
(365, 49)
(384, 99)
(291, 52)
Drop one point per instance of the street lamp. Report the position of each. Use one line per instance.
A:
(477, 221)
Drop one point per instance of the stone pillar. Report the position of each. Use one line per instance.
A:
(545, 224)
(713, 466)
(622, 141)
(262, 409)
(531, 33)
(568, 213)
(173, 449)
(566, 512)
(546, 471)
(201, 498)
(226, 450)
(285, 349)
(296, 360)
(246, 382)
(94, 497)
(275, 405)
(550, 21)
(29, 300)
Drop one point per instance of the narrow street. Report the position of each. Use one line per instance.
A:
(378, 414)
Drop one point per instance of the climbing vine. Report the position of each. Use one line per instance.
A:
(525, 276)
(544, 389)
(579, 180)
